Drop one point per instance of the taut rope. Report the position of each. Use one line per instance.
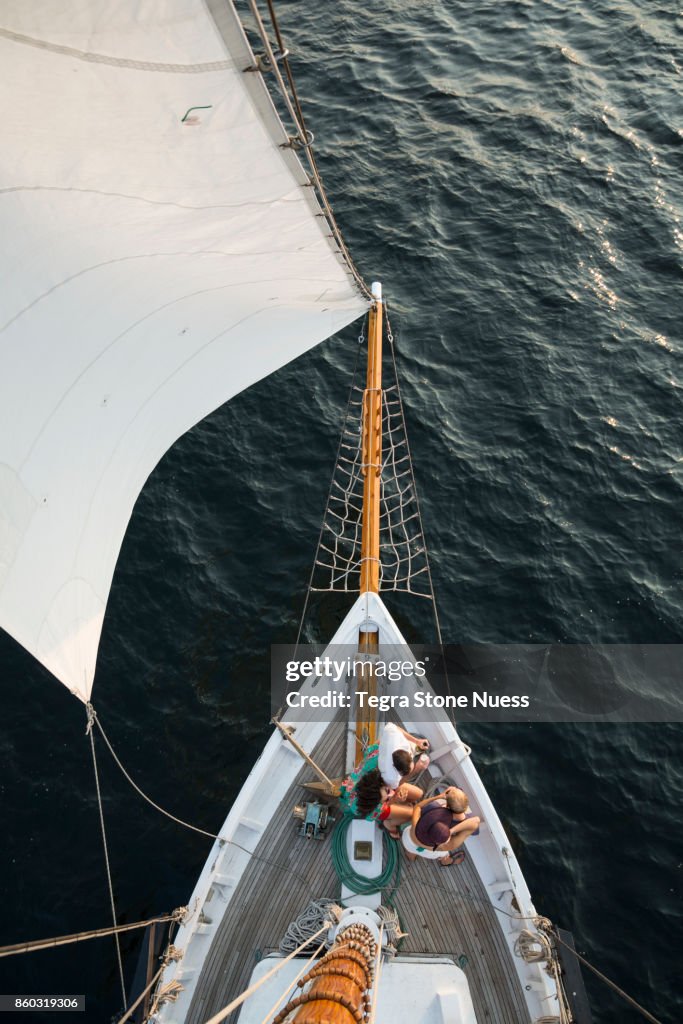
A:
(137, 789)
(624, 995)
(91, 717)
(98, 933)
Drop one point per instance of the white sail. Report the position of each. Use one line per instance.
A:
(160, 252)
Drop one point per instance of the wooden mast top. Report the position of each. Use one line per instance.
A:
(372, 449)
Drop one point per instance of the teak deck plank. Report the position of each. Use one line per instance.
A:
(444, 910)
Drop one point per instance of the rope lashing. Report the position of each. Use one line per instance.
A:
(392, 928)
(353, 945)
(296, 142)
(131, 1009)
(532, 947)
(166, 994)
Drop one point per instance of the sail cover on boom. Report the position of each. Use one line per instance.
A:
(160, 252)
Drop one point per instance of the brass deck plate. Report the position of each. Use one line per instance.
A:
(362, 850)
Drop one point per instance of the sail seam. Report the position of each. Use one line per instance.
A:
(145, 256)
(119, 62)
(247, 204)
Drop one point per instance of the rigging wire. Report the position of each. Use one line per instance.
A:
(286, 65)
(131, 1010)
(186, 824)
(304, 137)
(98, 933)
(89, 731)
(629, 999)
(149, 800)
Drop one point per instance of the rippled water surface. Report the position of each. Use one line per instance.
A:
(512, 173)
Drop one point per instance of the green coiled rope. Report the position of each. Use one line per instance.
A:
(359, 883)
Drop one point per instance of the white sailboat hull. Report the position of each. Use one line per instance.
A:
(264, 790)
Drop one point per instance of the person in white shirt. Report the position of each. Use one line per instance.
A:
(396, 763)
(373, 796)
(396, 755)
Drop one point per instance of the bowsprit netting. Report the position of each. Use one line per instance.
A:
(403, 558)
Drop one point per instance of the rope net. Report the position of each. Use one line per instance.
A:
(403, 557)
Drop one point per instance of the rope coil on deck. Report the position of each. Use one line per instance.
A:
(532, 947)
(308, 922)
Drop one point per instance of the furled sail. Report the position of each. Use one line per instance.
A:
(161, 251)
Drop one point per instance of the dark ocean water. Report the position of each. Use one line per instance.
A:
(512, 172)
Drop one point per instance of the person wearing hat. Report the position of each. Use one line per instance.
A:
(439, 827)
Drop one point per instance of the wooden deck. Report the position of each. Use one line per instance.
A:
(445, 910)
